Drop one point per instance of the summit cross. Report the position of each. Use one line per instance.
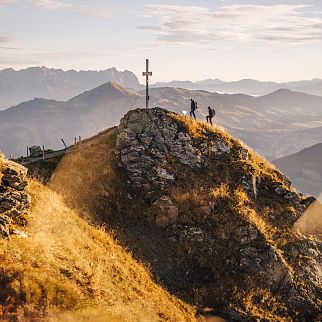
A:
(147, 73)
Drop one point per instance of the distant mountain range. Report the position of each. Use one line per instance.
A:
(304, 169)
(247, 86)
(41, 82)
(274, 125)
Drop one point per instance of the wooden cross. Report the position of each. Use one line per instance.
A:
(147, 73)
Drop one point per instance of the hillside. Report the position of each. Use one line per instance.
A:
(247, 86)
(304, 168)
(17, 86)
(271, 124)
(213, 220)
(62, 268)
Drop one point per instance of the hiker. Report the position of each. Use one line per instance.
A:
(193, 108)
(211, 114)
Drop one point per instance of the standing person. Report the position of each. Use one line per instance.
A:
(211, 114)
(193, 108)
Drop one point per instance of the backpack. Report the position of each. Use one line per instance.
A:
(212, 112)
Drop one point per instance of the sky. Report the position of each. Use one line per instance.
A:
(185, 40)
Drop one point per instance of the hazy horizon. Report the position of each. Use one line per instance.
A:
(225, 39)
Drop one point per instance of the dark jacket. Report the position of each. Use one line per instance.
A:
(211, 112)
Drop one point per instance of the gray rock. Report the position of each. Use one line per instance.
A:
(145, 140)
(246, 234)
(14, 201)
(35, 151)
(163, 174)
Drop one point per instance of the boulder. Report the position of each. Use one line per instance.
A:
(144, 141)
(14, 200)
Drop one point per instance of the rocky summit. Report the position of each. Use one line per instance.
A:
(212, 220)
(216, 220)
(14, 200)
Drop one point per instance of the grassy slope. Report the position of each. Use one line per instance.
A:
(67, 264)
(97, 189)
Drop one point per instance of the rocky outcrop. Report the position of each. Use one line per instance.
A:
(144, 142)
(148, 141)
(14, 200)
(223, 214)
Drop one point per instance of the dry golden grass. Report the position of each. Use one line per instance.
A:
(243, 207)
(67, 264)
(90, 182)
(220, 192)
(265, 306)
(201, 129)
(87, 178)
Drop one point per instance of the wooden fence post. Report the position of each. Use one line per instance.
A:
(64, 143)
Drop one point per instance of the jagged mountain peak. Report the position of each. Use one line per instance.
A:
(22, 85)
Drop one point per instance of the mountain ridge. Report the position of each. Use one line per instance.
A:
(260, 121)
(248, 86)
(215, 223)
(21, 85)
(304, 168)
(212, 220)
(17, 86)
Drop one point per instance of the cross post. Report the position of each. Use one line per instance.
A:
(147, 73)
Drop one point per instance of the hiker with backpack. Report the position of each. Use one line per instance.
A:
(211, 114)
(194, 106)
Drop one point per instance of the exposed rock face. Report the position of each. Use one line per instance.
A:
(223, 215)
(144, 141)
(14, 200)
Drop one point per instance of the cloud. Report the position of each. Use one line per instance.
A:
(4, 39)
(95, 11)
(98, 11)
(244, 23)
(4, 3)
(27, 58)
(50, 4)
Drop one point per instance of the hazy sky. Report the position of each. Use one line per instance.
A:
(228, 39)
